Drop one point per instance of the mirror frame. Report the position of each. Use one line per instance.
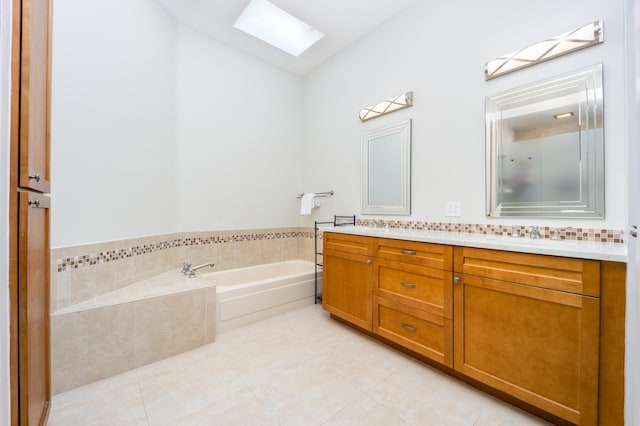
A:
(592, 197)
(403, 130)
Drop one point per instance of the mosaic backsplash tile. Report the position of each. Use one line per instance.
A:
(578, 234)
(90, 259)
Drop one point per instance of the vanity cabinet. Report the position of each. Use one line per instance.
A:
(545, 331)
(528, 325)
(346, 283)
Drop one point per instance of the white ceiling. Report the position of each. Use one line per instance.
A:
(341, 21)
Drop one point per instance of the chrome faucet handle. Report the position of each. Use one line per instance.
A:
(186, 268)
(534, 232)
(556, 233)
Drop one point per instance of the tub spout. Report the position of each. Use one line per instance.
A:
(193, 269)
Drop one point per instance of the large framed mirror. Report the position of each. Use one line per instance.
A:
(386, 170)
(545, 148)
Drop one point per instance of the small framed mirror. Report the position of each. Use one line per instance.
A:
(386, 170)
(545, 148)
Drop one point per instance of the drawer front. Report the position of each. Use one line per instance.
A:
(348, 243)
(420, 287)
(426, 334)
(577, 276)
(432, 255)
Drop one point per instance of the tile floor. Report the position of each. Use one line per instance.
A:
(299, 368)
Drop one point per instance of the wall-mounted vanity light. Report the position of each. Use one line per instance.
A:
(385, 107)
(585, 36)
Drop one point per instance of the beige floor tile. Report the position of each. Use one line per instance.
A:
(305, 394)
(176, 393)
(239, 408)
(366, 412)
(115, 401)
(499, 413)
(426, 396)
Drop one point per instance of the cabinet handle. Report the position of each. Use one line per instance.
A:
(409, 252)
(368, 262)
(408, 327)
(634, 231)
(34, 203)
(456, 280)
(35, 176)
(408, 285)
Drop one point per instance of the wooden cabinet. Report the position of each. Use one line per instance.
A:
(346, 283)
(33, 323)
(546, 330)
(29, 212)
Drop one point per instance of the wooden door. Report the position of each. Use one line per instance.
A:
(34, 94)
(33, 301)
(347, 287)
(536, 344)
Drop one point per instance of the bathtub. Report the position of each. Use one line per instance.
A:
(254, 293)
(168, 314)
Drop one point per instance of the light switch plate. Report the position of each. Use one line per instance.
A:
(452, 208)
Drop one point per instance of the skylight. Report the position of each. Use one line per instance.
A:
(273, 25)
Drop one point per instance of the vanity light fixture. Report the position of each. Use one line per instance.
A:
(269, 23)
(585, 36)
(385, 107)
(563, 115)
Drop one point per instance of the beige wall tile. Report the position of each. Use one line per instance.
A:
(211, 315)
(169, 325)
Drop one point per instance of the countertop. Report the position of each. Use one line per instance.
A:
(566, 248)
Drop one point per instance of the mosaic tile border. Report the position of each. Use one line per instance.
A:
(92, 259)
(577, 234)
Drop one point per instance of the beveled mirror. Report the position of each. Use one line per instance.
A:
(545, 148)
(386, 170)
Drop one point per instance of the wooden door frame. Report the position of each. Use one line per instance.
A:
(13, 209)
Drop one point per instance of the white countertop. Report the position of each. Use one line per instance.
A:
(566, 248)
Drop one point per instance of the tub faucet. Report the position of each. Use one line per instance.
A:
(193, 269)
(534, 232)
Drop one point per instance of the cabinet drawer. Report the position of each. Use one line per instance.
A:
(578, 276)
(425, 254)
(424, 333)
(347, 243)
(420, 287)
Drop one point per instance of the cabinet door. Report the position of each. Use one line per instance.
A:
(34, 95)
(347, 288)
(538, 345)
(33, 300)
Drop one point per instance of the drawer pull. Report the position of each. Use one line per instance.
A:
(368, 261)
(408, 327)
(407, 285)
(34, 203)
(409, 252)
(35, 176)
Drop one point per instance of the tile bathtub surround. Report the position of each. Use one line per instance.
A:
(579, 234)
(296, 368)
(94, 344)
(80, 273)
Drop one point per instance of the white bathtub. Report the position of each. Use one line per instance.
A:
(246, 295)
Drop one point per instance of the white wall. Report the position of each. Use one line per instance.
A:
(239, 139)
(632, 348)
(113, 121)
(438, 49)
(5, 108)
